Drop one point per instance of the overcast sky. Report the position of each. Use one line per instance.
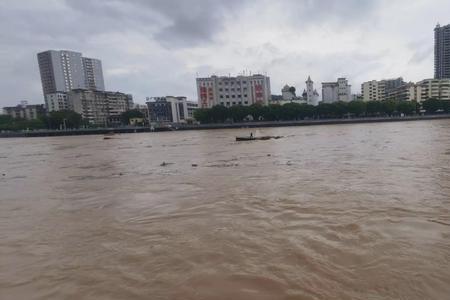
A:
(157, 47)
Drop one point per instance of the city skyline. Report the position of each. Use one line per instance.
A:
(153, 48)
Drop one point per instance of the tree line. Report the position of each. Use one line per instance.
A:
(295, 111)
(65, 119)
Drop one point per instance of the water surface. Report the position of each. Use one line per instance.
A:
(328, 212)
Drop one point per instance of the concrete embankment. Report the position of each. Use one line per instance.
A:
(41, 133)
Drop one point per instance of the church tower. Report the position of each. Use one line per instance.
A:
(312, 97)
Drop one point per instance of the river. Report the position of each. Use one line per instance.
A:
(328, 212)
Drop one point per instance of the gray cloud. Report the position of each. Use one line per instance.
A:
(156, 47)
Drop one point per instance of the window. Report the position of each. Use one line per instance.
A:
(220, 89)
(233, 96)
(221, 96)
(234, 103)
(227, 96)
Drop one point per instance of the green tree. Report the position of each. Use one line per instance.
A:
(374, 108)
(238, 113)
(358, 108)
(389, 107)
(219, 113)
(406, 107)
(432, 105)
(130, 114)
(63, 119)
(202, 115)
(445, 106)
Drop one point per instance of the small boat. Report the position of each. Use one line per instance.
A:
(256, 138)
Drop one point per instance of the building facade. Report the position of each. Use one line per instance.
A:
(25, 111)
(99, 107)
(62, 71)
(288, 93)
(442, 52)
(231, 91)
(379, 90)
(310, 94)
(171, 109)
(93, 74)
(405, 92)
(433, 88)
(336, 91)
(57, 101)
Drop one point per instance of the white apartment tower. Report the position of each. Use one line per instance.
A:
(231, 91)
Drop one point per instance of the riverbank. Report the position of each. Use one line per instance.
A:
(99, 131)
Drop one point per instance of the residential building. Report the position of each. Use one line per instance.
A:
(171, 109)
(433, 88)
(230, 91)
(310, 94)
(405, 92)
(25, 111)
(62, 71)
(336, 91)
(57, 101)
(93, 74)
(442, 52)
(378, 90)
(99, 107)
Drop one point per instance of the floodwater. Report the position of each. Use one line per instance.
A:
(327, 212)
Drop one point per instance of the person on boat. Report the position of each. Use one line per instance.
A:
(251, 135)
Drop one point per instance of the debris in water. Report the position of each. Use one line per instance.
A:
(194, 165)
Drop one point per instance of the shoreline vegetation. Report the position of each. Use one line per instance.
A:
(237, 125)
(273, 115)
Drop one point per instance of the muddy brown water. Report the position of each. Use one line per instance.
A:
(327, 212)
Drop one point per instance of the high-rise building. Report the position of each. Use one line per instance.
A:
(93, 74)
(231, 91)
(379, 90)
(336, 91)
(62, 71)
(442, 51)
(99, 107)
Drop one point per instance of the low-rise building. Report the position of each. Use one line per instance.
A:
(336, 91)
(288, 93)
(99, 107)
(57, 101)
(171, 109)
(405, 92)
(25, 111)
(230, 91)
(379, 90)
(433, 88)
